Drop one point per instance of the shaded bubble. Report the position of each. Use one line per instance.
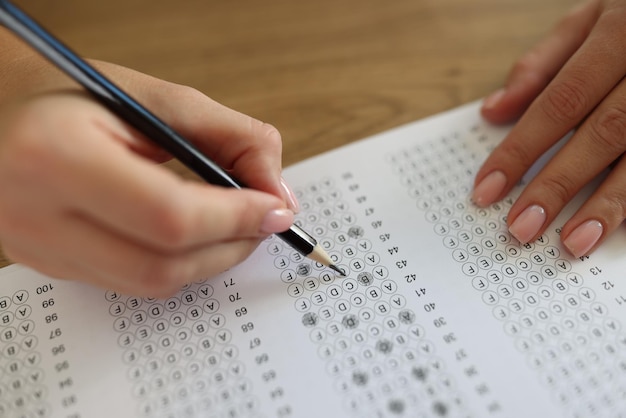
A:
(365, 279)
(440, 409)
(360, 378)
(309, 319)
(350, 321)
(406, 316)
(384, 346)
(356, 232)
(303, 269)
(396, 406)
(419, 373)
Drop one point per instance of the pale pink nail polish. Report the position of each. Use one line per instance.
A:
(277, 220)
(488, 190)
(583, 238)
(292, 201)
(528, 223)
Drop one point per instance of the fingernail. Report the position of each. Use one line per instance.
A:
(528, 223)
(292, 201)
(277, 220)
(488, 190)
(583, 238)
(493, 99)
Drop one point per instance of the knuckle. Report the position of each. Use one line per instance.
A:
(607, 129)
(270, 135)
(518, 152)
(528, 71)
(163, 95)
(560, 187)
(191, 93)
(566, 101)
(178, 91)
(527, 63)
(614, 206)
(171, 224)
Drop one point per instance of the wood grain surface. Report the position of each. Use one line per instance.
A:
(324, 72)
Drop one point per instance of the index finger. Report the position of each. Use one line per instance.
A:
(249, 148)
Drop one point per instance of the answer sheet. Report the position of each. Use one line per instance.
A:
(442, 312)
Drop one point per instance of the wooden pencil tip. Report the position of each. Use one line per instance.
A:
(318, 254)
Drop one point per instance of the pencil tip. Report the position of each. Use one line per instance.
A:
(338, 270)
(318, 254)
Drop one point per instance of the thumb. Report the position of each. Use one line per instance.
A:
(230, 214)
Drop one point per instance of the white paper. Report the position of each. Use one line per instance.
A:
(442, 314)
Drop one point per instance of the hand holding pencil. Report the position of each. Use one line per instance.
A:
(81, 197)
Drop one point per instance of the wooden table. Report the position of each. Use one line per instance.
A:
(324, 72)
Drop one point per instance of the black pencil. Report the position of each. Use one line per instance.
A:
(128, 109)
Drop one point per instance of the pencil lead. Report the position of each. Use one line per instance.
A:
(338, 270)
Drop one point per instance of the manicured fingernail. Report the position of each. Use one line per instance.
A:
(292, 201)
(488, 190)
(528, 223)
(493, 99)
(583, 238)
(277, 220)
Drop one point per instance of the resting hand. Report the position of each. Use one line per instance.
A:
(572, 79)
